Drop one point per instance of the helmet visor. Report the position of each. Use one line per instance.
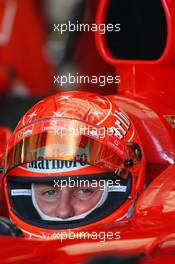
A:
(83, 146)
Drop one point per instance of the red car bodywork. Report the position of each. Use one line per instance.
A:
(22, 47)
(151, 230)
(147, 93)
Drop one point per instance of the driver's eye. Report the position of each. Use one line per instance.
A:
(85, 191)
(49, 193)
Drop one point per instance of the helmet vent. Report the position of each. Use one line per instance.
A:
(143, 31)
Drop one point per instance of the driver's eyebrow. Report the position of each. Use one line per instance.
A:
(49, 185)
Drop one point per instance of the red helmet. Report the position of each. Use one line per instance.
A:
(73, 135)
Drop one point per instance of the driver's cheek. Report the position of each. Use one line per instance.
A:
(48, 207)
(83, 205)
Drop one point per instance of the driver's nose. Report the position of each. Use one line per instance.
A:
(65, 208)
